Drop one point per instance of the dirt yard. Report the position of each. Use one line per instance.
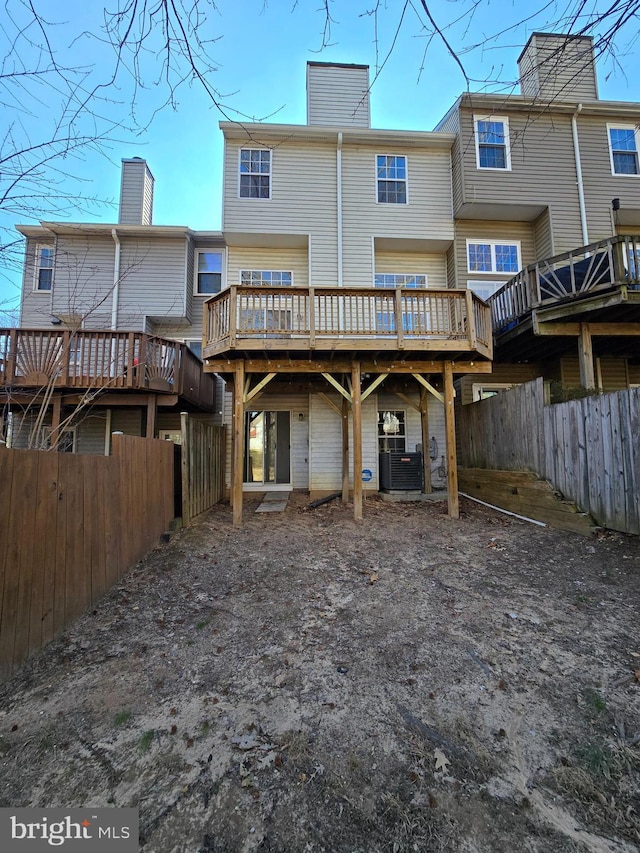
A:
(408, 683)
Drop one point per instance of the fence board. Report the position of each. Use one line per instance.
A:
(587, 449)
(203, 461)
(62, 518)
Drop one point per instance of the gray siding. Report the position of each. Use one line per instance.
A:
(152, 281)
(338, 95)
(136, 193)
(556, 66)
(90, 433)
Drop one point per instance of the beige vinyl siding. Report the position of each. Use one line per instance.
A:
(543, 237)
(297, 403)
(303, 201)
(83, 279)
(558, 67)
(427, 215)
(295, 260)
(325, 444)
(542, 170)
(35, 306)
(611, 373)
(451, 124)
(600, 186)
(509, 232)
(191, 312)
(452, 277)
(338, 95)
(432, 265)
(152, 280)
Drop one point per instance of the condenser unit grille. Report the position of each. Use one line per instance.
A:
(400, 471)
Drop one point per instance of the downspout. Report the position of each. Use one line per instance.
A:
(116, 281)
(576, 151)
(339, 205)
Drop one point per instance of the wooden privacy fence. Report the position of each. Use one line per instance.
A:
(70, 527)
(203, 458)
(588, 449)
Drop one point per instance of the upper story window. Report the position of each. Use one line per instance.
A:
(623, 148)
(391, 171)
(492, 142)
(400, 280)
(44, 267)
(493, 256)
(255, 173)
(208, 271)
(270, 278)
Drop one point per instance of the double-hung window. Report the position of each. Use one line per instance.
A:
(255, 173)
(492, 256)
(44, 268)
(492, 142)
(391, 431)
(208, 272)
(391, 172)
(268, 278)
(623, 149)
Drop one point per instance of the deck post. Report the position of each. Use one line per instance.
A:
(357, 440)
(152, 405)
(585, 356)
(345, 450)
(424, 424)
(450, 430)
(238, 442)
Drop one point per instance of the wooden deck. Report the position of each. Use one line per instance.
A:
(102, 360)
(440, 323)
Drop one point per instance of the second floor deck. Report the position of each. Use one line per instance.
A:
(302, 320)
(102, 361)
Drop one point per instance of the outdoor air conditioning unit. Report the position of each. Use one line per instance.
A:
(400, 471)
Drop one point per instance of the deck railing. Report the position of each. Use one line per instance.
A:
(291, 318)
(598, 266)
(65, 359)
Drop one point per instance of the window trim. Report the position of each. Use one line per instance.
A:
(256, 198)
(37, 267)
(493, 243)
(200, 250)
(507, 142)
(636, 135)
(406, 275)
(262, 284)
(392, 204)
(478, 387)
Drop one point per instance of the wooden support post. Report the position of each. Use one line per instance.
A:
(345, 450)
(238, 443)
(152, 406)
(585, 356)
(185, 450)
(450, 430)
(357, 440)
(426, 459)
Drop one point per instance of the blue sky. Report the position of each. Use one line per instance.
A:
(261, 51)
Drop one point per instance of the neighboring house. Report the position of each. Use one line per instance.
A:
(337, 328)
(110, 327)
(537, 175)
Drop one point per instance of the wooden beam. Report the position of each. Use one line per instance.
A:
(585, 357)
(332, 381)
(377, 381)
(258, 388)
(429, 386)
(413, 365)
(238, 443)
(450, 431)
(55, 418)
(557, 329)
(356, 406)
(330, 403)
(151, 416)
(344, 420)
(407, 400)
(424, 427)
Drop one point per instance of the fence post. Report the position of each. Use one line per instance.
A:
(184, 431)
